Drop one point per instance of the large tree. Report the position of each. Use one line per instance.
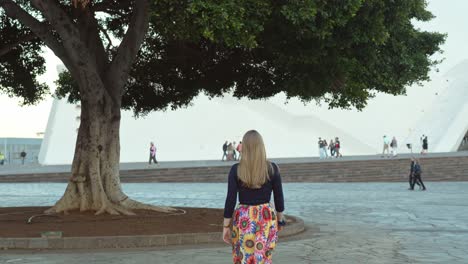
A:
(149, 55)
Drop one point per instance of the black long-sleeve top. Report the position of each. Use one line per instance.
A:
(253, 196)
(411, 167)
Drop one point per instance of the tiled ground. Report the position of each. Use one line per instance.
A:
(358, 222)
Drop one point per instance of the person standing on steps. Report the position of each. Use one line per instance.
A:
(331, 146)
(425, 145)
(230, 152)
(252, 227)
(386, 144)
(23, 156)
(324, 148)
(225, 146)
(234, 151)
(2, 159)
(394, 146)
(337, 148)
(320, 148)
(152, 154)
(239, 150)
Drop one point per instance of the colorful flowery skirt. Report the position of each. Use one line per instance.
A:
(254, 234)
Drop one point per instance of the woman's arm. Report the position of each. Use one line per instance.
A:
(227, 231)
(231, 199)
(278, 192)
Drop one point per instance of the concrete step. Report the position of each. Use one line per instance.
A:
(380, 170)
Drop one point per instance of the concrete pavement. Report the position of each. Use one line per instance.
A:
(358, 223)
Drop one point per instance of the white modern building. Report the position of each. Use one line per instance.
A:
(438, 109)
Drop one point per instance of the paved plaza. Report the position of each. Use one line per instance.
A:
(348, 223)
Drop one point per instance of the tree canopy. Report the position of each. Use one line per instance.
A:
(168, 52)
(342, 51)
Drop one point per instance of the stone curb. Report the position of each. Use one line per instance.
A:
(129, 241)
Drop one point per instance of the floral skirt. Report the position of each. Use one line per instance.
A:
(254, 234)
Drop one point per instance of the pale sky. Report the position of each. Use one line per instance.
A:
(450, 18)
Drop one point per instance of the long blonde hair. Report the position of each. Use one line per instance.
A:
(254, 168)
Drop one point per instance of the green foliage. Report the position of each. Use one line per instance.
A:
(20, 67)
(341, 51)
(67, 87)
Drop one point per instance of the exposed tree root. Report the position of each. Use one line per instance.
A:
(132, 204)
(125, 207)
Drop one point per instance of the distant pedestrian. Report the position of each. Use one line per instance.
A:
(234, 150)
(394, 146)
(2, 159)
(152, 157)
(417, 172)
(320, 149)
(230, 152)
(386, 146)
(324, 148)
(23, 156)
(331, 146)
(225, 145)
(239, 150)
(411, 175)
(425, 144)
(338, 148)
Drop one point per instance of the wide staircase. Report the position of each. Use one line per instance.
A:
(463, 146)
(450, 168)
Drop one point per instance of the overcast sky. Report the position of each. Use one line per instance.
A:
(451, 18)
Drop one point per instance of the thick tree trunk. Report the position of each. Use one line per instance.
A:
(95, 181)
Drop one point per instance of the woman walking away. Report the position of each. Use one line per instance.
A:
(251, 228)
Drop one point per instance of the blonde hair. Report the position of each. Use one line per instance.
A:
(254, 169)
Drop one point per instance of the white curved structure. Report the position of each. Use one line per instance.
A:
(289, 130)
(446, 122)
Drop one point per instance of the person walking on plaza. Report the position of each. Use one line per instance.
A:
(417, 172)
(225, 145)
(2, 159)
(411, 175)
(386, 148)
(394, 146)
(252, 227)
(425, 145)
(23, 156)
(152, 154)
